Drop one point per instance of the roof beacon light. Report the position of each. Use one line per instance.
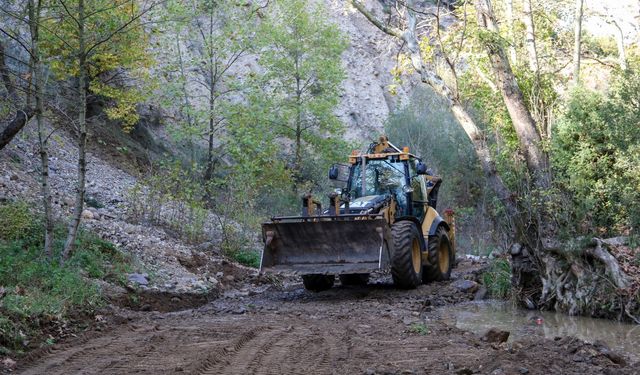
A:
(405, 153)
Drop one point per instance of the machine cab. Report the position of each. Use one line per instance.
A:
(386, 173)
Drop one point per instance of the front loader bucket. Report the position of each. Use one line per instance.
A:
(325, 244)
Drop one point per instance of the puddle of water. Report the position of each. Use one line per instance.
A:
(479, 316)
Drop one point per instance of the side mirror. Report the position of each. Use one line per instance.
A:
(421, 168)
(334, 172)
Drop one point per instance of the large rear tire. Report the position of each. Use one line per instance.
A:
(406, 260)
(440, 257)
(354, 279)
(318, 283)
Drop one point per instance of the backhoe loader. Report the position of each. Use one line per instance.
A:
(381, 216)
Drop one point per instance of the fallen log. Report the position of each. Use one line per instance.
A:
(14, 126)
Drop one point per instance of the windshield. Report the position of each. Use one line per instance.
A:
(382, 176)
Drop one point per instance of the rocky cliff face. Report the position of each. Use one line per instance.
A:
(366, 100)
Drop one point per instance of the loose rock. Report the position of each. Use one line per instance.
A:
(466, 285)
(495, 335)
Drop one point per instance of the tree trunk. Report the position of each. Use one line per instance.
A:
(619, 35)
(6, 77)
(70, 243)
(577, 42)
(298, 125)
(530, 40)
(523, 123)
(210, 146)
(510, 25)
(38, 85)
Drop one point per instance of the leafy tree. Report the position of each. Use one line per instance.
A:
(206, 40)
(301, 79)
(92, 44)
(596, 156)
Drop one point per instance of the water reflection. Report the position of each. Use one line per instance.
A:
(480, 316)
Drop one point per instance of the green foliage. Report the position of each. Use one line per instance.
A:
(203, 40)
(419, 329)
(15, 220)
(115, 39)
(431, 132)
(300, 84)
(497, 279)
(596, 158)
(39, 291)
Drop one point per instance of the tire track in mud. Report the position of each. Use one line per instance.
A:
(217, 360)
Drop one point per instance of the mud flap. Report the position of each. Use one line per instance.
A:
(336, 245)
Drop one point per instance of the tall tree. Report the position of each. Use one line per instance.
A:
(302, 77)
(619, 36)
(523, 123)
(211, 38)
(577, 44)
(37, 74)
(93, 43)
(511, 28)
(530, 36)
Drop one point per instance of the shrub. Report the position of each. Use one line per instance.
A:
(497, 279)
(16, 220)
(596, 157)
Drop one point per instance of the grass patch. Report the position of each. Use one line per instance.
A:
(497, 279)
(250, 258)
(419, 329)
(37, 293)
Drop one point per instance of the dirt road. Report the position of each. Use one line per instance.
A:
(283, 329)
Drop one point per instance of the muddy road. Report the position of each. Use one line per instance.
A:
(279, 328)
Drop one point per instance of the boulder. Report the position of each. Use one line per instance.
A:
(495, 335)
(466, 285)
(138, 278)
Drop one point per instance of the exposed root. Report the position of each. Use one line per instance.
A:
(599, 279)
(613, 268)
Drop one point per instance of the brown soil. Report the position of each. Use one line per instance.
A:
(279, 328)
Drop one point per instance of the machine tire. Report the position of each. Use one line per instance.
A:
(406, 260)
(439, 245)
(317, 282)
(354, 279)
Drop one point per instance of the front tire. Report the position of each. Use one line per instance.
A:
(406, 260)
(318, 283)
(440, 257)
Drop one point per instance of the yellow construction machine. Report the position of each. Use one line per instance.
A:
(382, 216)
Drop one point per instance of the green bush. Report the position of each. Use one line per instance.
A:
(16, 220)
(497, 279)
(38, 290)
(596, 158)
